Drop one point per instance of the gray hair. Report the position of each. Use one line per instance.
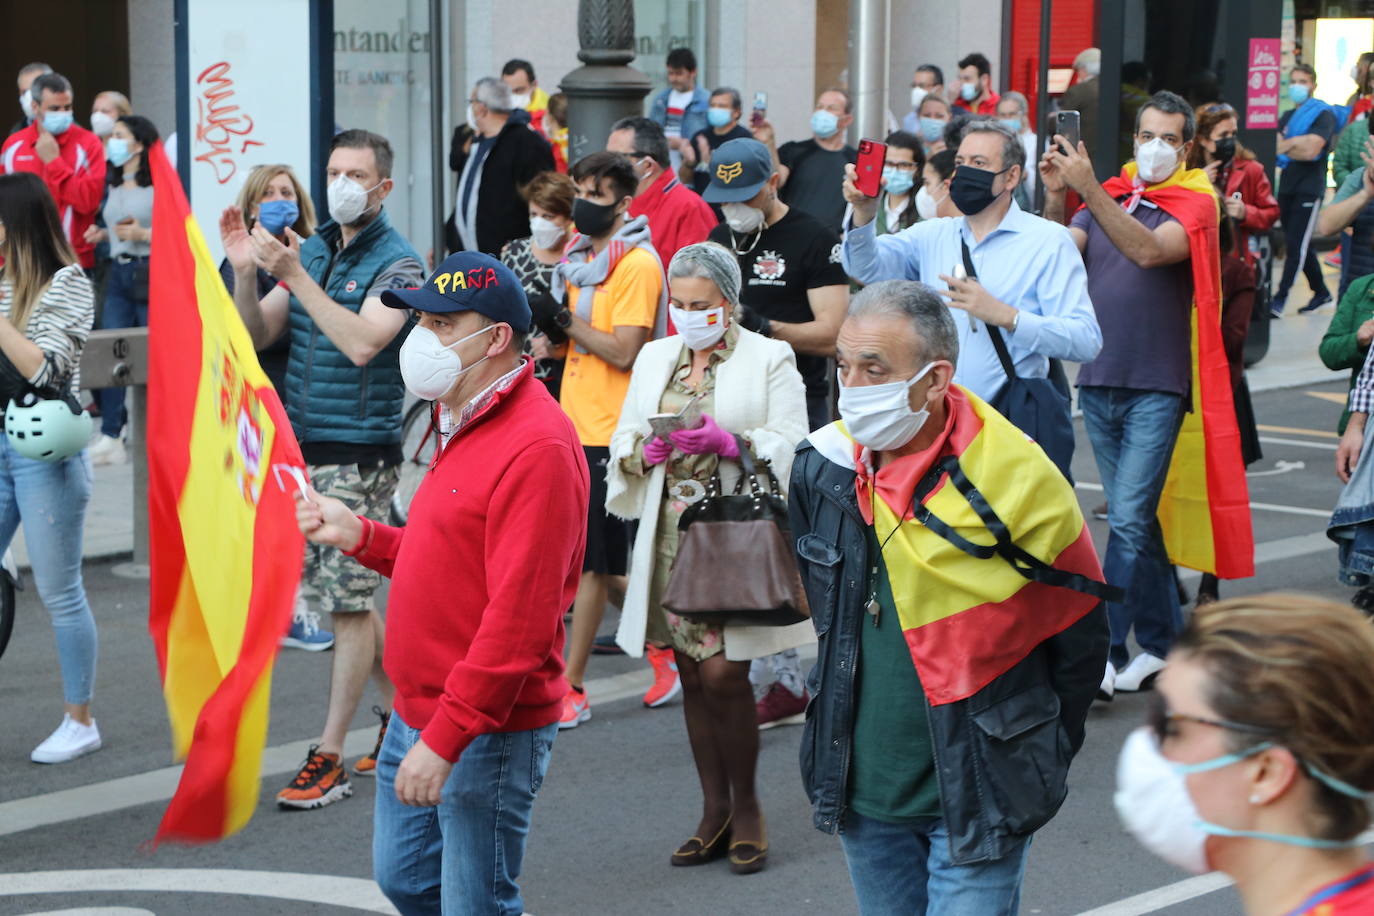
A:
(917, 303)
(51, 81)
(1089, 60)
(494, 94)
(1169, 103)
(1011, 95)
(709, 261)
(649, 139)
(1013, 153)
(735, 101)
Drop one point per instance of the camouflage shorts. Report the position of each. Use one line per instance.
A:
(343, 584)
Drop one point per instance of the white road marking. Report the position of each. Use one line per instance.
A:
(332, 890)
(1280, 467)
(1275, 440)
(1263, 507)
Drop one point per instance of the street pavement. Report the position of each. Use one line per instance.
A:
(621, 793)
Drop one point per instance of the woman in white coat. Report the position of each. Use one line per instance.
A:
(750, 396)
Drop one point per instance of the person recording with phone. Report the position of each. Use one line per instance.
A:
(903, 172)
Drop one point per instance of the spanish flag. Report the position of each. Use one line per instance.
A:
(1205, 507)
(967, 619)
(224, 547)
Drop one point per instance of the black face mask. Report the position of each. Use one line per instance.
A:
(971, 189)
(592, 218)
(1226, 149)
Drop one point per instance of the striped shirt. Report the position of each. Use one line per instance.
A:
(58, 324)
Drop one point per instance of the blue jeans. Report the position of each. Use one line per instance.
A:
(50, 499)
(1133, 434)
(904, 870)
(464, 855)
(120, 310)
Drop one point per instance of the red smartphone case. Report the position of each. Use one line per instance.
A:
(872, 154)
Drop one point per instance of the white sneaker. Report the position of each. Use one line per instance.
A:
(1140, 673)
(70, 741)
(1108, 688)
(108, 450)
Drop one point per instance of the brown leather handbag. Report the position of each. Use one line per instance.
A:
(734, 561)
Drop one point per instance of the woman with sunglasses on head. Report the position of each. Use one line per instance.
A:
(1258, 761)
(1246, 194)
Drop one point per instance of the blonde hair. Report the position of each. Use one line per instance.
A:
(256, 185)
(120, 100)
(35, 246)
(1301, 668)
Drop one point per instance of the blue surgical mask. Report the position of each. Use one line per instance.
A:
(1298, 93)
(117, 151)
(932, 129)
(968, 91)
(897, 181)
(718, 117)
(1011, 124)
(57, 122)
(824, 124)
(276, 215)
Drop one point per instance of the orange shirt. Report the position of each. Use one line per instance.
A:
(593, 390)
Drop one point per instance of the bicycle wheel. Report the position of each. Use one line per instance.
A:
(418, 442)
(6, 611)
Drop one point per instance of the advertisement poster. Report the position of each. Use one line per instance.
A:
(1262, 85)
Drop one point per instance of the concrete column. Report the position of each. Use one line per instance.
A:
(869, 27)
(606, 88)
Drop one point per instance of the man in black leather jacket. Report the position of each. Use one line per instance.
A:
(950, 687)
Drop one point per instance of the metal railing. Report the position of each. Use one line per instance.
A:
(117, 358)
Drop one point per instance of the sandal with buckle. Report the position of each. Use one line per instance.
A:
(697, 851)
(748, 857)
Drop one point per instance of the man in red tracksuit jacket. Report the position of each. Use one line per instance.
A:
(69, 158)
(481, 575)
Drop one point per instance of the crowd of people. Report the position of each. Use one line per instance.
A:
(890, 365)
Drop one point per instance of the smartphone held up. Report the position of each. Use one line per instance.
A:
(869, 167)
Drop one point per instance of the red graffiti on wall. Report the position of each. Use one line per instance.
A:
(219, 123)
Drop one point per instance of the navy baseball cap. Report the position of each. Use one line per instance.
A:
(739, 169)
(469, 281)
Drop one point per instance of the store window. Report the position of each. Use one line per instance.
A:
(381, 83)
(660, 26)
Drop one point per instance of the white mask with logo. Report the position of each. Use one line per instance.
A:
(700, 330)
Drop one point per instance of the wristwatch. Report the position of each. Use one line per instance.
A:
(563, 318)
(1015, 321)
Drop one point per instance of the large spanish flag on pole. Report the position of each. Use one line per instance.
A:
(225, 550)
(1205, 507)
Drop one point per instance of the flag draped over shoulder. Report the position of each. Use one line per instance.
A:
(968, 620)
(1205, 507)
(225, 550)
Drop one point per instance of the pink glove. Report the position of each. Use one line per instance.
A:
(656, 451)
(706, 439)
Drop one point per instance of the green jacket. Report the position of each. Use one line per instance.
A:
(1346, 158)
(1339, 349)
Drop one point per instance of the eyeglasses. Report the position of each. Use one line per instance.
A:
(1162, 722)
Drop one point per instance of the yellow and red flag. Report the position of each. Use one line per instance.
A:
(1205, 507)
(966, 619)
(224, 547)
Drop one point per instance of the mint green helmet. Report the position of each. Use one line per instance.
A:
(47, 429)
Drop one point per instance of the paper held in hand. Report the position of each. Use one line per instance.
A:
(665, 424)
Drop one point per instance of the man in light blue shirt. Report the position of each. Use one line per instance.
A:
(1030, 282)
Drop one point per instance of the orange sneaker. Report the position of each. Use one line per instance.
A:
(666, 682)
(576, 709)
(367, 766)
(321, 781)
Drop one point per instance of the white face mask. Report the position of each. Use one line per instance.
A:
(102, 125)
(428, 367)
(918, 95)
(880, 417)
(926, 206)
(520, 99)
(700, 330)
(1155, 160)
(741, 217)
(472, 118)
(26, 105)
(546, 233)
(348, 200)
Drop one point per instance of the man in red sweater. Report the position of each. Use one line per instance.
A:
(677, 214)
(69, 158)
(481, 575)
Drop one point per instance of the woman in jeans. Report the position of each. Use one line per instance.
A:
(1256, 761)
(46, 309)
(128, 215)
(750, 397)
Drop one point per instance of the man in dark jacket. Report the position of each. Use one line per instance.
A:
(950, 686)
(494, 159)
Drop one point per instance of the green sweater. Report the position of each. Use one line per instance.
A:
(1346, 158)
(1339, 349)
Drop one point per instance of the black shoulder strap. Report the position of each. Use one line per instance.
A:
(994, 332)
(1023, 562)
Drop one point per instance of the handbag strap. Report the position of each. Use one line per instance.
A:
(994, 332)
(1025, 563)
(751, 471)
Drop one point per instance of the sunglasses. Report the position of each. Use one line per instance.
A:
(1164, 723)
(1219, 106)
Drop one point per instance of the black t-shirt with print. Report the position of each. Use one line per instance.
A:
(778, 266)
